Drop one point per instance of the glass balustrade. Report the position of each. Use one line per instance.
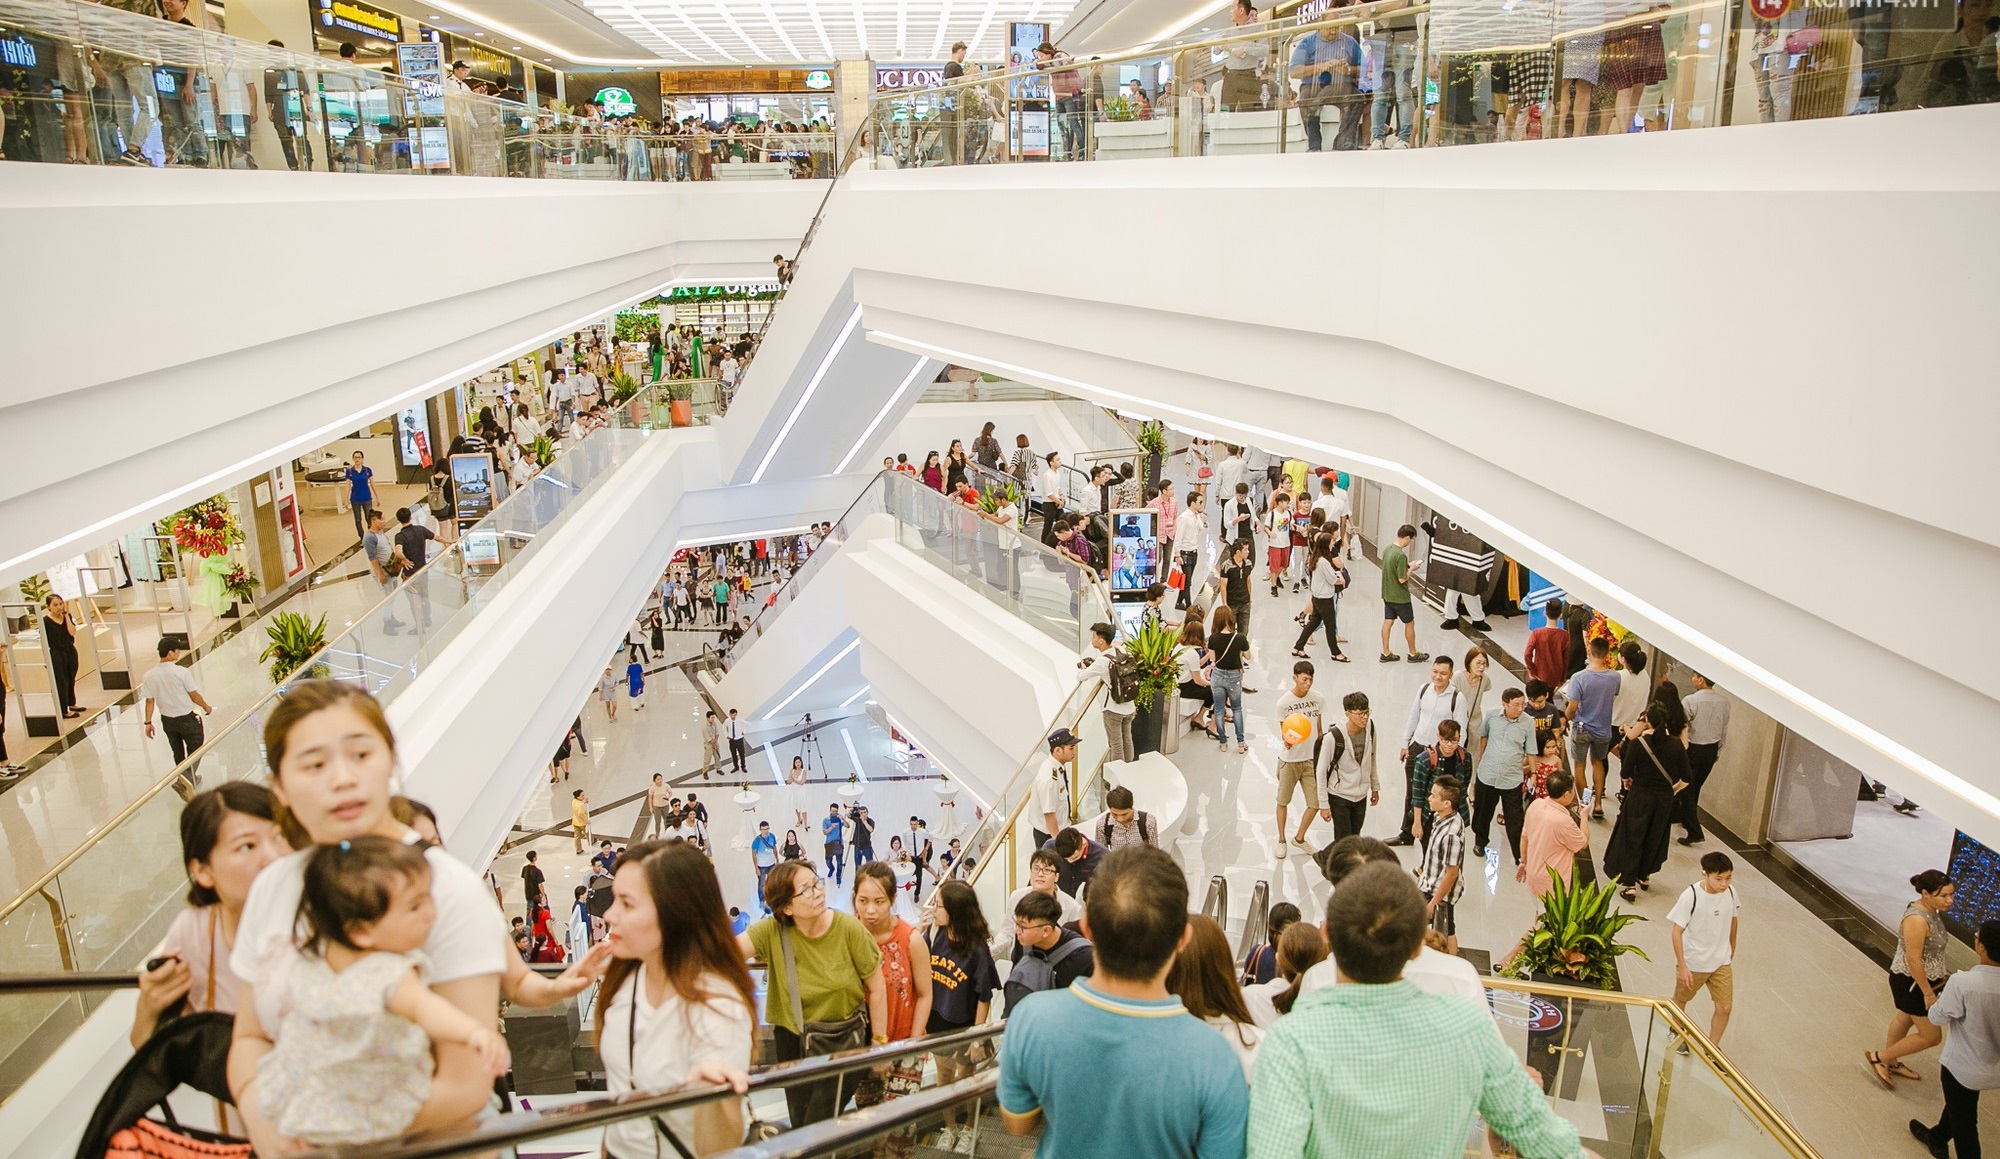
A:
(102, 905)
(1394, 75)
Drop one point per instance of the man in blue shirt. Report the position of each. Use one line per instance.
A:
(764, 853)
(360, 494)
(1590, 694)
(1085, 1064)
(1327, 65)
(833, 827)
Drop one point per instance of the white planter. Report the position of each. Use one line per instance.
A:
(1126, 140)
(1232, 134)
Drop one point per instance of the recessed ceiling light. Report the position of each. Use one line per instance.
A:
(548, 59)
(517, 48)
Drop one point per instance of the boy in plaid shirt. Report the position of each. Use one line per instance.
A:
(1441, 877)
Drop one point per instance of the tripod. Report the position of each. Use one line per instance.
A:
(809, 750)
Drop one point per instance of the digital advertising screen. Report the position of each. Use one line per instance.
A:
(473, 482)
(1135, 551)
(1975, 870)
(1022, 41)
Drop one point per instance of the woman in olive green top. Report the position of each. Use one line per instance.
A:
(839, 969)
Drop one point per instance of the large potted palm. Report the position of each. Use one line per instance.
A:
(294, 640)
(1155, 653)
(1152, 441)
(1574, 942)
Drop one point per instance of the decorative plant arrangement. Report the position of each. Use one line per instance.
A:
(543, 449)
(294, 640)
(205, 529)
(1575, 939)
(240, 584)
(35, 589)
(1120, 109)
(993, 498)
(623, 387)
(1153, 438)
(1154, 650)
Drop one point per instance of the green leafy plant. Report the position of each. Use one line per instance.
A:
(294, 640)
(993, 498)
(1153, 438)
(543, 449)
(240, 584)
(1120, 109)
(636, 325)
(35, 589)
(1575, 938)
(1154, 651)
(623, 387)
(680, 390)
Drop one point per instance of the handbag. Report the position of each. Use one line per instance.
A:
(817, 1038)
(1176, 579)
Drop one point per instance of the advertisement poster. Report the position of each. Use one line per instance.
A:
(422, 65)
(413, 435)
(473, 481)
(1022, 40)
(481, 548)
(291, 538)
(1030, 134)
(1135, 550)
(433, 147)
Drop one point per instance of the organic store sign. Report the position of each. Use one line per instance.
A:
(819, 79)
(732, 290)
(616, 102)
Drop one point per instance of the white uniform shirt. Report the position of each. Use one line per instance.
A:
(169, 687)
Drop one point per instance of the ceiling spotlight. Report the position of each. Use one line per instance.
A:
(517, 48)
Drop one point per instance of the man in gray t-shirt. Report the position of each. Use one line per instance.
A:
(380, 550)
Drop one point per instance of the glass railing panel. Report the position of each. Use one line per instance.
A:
(998, 848)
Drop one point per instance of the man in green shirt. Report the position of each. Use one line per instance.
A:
(1396, 595)
(1375, 1066)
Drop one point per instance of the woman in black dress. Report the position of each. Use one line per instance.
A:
(59, 639)
(1654, 768)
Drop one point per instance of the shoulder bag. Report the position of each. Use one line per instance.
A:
(817, 1038)
(1672, 784)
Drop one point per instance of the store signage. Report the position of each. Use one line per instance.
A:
(1312, 10)
(353, 16)
(423, 66)
(1525, 1010)
(1770, 9)
(18, 52)
(734, 289)
(616, 102)
(819, 79)
(910, 77)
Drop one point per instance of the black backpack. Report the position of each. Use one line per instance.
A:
(1034, 973)
(1121, 677)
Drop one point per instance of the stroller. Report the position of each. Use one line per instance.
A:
(190, 1051)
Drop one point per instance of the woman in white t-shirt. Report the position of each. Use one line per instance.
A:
(228, 836)
(332, 754)
(1203, 977)
(679, 1006)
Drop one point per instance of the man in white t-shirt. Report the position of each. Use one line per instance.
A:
(1333, 501)
(1228, 473)
(1052, 790)
(170, 689)
(1430, 971)
(562, 392)
(1704, 922)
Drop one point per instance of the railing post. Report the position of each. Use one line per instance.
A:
(61, 921)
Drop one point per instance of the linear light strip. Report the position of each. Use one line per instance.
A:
(806, 396)
(771, 15)
(814, 678)
(882, 415)
(1859, 730)
(723, 13)
(847, 738)
(865, 690)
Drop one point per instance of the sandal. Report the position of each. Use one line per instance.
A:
(1646, 885)
(1881, 1069)
(1338, 658)
(1902, 1071)
(1299, 652)
(1629, 894)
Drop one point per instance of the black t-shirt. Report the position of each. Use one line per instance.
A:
(1228, 649)
(1236, 581)
(532, 877)
(959, 983)
(411, 538)
(952, 71)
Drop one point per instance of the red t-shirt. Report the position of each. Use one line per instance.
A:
(1548, 656)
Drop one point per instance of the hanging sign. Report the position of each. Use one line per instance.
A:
(819, 79)
(616, 102)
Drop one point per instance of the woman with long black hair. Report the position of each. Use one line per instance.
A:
(1654, 767)
(1323, 581)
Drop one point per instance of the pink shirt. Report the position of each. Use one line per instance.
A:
(1550, 839)
(189, 939)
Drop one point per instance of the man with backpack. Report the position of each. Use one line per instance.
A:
(1120, 674)
(1046, 956)
(1347, 767)
(1120, 824)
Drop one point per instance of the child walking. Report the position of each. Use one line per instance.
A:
(353, 1064)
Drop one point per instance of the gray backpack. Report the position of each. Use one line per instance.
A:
(1034, 973)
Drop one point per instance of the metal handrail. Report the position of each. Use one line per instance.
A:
(45, 983)
(510, 1130)
(175, 777)
(1256, 923)
(1215, 906)
(1014, 815)
(836, 1136)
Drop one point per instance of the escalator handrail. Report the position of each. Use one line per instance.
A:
(58, 982)
(526, 1126)
(840, 1135)
(1256, 923)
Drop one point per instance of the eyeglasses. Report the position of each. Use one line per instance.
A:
(1030, 927)
(813, 886)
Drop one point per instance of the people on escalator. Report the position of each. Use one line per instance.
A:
(677, 1003)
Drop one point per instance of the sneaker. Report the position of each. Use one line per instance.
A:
(1417, 657)
(1376, 144)
(1301, 843)
(1481, 626)
(1450, 625)
(947, 1139)
(1398, 143)
(1401, 841)
(1388, 657)
(966, 1136)
(1922, 1134)
(131, 157)
(10, 772)
(1283, 850)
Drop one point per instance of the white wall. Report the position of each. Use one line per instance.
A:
(932, 426)
(185, 328)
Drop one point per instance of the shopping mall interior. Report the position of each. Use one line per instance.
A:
(776, 398)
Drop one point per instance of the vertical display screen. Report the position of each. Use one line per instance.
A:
(1135, 550)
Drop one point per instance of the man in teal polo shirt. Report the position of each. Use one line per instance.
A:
(1115, 1067)
(1505, 751)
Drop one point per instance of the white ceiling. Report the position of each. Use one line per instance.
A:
(790, 32)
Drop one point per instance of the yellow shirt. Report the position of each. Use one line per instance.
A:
(579, 813)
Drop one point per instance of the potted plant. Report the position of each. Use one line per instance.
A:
(991, 499)
(1153, 443)
(241, 586)
(35, 589)
(543, 449)
(1155, 652)
(294, 640)
(1574, 941)
(680, 405)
